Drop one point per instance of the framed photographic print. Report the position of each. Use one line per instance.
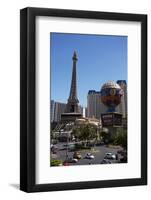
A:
(83, 99)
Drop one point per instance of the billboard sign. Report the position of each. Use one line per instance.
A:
(111, 119)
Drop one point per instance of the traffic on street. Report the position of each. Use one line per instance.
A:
(98, 154)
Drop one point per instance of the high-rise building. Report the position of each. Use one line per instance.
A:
(94, 105)
(122, 107)
(59, 108)
(52, 110)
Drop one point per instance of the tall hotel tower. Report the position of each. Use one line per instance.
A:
(94, 105)
(122, 107)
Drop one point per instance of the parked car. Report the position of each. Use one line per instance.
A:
(89, 156)
(110, 156)
(105, 161)
(77, 155)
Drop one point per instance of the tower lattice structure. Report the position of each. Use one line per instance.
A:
(72, 104)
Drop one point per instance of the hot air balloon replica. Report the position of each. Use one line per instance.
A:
(111, 94)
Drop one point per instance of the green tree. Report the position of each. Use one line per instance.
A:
(55, 162)
(85, 132)
(105, 135)
(121, 138)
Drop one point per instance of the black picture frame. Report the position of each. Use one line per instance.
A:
(28, 99)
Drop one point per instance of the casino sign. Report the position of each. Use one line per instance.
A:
(111, 119)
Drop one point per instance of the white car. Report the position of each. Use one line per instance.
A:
(89, 156)
(110, 156)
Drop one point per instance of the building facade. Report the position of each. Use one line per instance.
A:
(94, 105)
(122, 107)
(52, 110)
(58, 110)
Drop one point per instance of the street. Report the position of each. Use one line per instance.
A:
(98, 152)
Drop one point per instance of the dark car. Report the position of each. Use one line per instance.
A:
(54, 149)
(105, 161)
(123, 159)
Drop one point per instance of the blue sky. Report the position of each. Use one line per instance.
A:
(100, 58)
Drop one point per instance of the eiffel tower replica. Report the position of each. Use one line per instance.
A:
(72, 109)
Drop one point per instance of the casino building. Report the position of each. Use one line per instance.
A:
(94, 104)
(122, 107)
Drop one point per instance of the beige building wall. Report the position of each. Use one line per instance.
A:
(122, 107)
(94, 105)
